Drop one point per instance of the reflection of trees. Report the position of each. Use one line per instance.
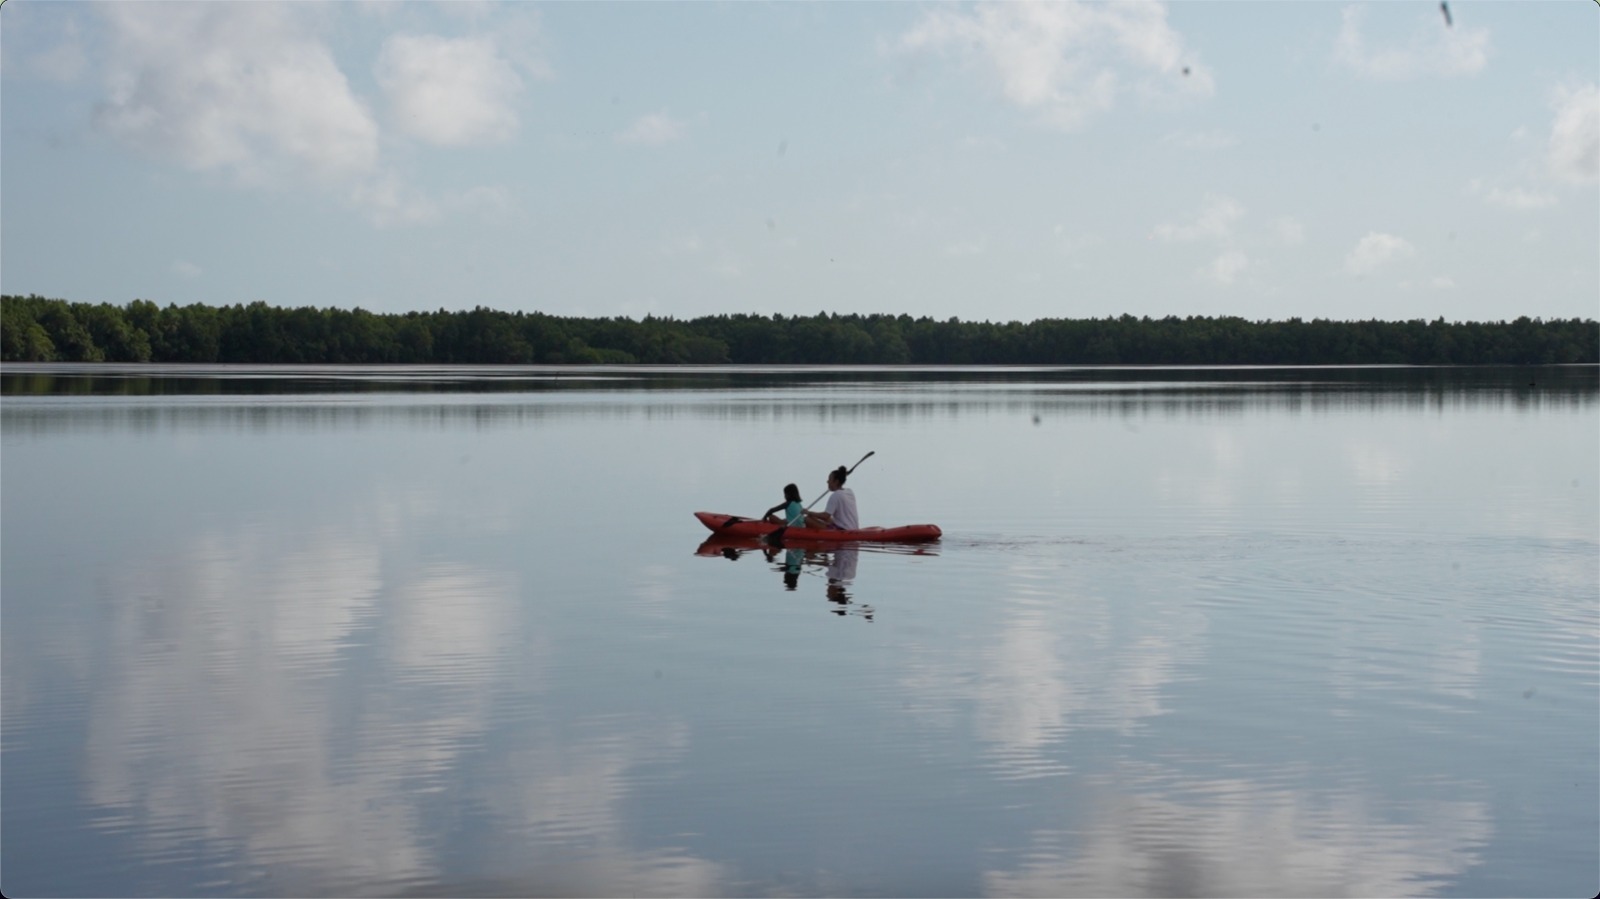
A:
(335, 400)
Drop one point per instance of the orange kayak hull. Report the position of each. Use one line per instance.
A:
(734, 526)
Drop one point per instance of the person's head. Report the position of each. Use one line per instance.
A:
(837, 476)
(791, 493)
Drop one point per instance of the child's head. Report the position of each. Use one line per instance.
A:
(791, 493)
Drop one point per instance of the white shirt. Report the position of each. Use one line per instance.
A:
(842, 506)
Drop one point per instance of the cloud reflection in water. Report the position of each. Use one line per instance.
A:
(323, 715)
(1167, 835)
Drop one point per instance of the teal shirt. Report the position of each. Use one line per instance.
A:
(794, 515)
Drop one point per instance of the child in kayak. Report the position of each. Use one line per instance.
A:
(793, 512)
(841, 513)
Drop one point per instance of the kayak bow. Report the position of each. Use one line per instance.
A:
(734, 526)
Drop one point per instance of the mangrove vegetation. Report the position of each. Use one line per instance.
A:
(37, 329)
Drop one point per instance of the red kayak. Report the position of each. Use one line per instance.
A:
(734, 526)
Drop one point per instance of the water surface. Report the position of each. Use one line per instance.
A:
(453, 631)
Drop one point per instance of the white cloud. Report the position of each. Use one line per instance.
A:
(1074, 242)
(1202, 140)
(1066, 61)
(1574, 150)
(389, 201)
(251, 90)
(1437, 282)
(449, 91)
(65, 61)
(238, 87)
(185, 269)
(1289, 231)
(655, 128)
(973, 247)
(1225, 269)
(1375, 250)
(986, 143)
(1512, 197)
(487, 199)
(678, 246)
(1433, 49)
(1214, 222)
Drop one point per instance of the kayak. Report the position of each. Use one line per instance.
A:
(734, 526)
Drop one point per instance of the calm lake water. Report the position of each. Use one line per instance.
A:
(311, 632)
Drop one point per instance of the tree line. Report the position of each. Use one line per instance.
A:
(36, 329)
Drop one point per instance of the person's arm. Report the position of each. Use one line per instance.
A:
(778, 508)
(824, 519)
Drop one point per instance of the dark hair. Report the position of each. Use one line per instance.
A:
(791, 493)
(840, 473)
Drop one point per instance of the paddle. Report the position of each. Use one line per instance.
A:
(777, 536)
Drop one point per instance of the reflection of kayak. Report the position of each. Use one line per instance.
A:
(734, 547)
(733, 526)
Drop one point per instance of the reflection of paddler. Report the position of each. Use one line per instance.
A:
(842, 568)
(841, 571)
(791, 568)
(791, 564)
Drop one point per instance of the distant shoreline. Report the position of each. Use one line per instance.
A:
(38, 329)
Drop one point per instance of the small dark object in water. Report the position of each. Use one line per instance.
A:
(1186, 71)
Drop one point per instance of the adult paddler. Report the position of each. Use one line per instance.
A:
(840, 513)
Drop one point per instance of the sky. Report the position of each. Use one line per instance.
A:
(992, 162)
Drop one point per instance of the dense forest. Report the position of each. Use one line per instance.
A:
(36, 329)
